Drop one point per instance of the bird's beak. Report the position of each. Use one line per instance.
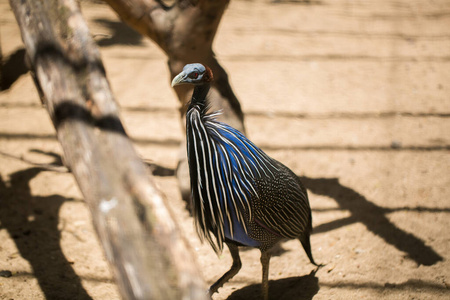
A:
(179, 79)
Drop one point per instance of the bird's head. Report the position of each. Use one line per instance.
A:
(196, 74)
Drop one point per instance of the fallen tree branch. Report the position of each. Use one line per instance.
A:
(148, 256)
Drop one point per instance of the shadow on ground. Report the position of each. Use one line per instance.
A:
(121, 34)
(32, 222)
(293, 288)
(14, 65)
(12, 68)
(372, 216)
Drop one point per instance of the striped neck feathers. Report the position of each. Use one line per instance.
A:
(199, 98)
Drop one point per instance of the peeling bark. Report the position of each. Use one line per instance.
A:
(148, 256)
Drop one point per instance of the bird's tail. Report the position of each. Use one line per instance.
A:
(305, 240)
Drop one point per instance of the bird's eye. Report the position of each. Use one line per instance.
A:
(194, 75)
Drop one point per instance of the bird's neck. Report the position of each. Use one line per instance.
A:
(199, 96)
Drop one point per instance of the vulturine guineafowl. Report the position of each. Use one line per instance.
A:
(240, 195)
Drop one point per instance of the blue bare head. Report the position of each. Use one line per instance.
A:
(196, 74)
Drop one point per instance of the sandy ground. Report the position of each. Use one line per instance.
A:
(353, 95)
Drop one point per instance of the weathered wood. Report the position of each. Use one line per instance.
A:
(149, 257)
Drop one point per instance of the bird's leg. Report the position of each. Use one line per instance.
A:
(235, 267)
(265, 259)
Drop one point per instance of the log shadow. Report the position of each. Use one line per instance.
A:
(372, 216)
(292, 288)
(160, 171)
(121, 34)
(32, 221)
(13, 67)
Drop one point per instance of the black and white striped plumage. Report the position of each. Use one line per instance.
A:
(240, 195)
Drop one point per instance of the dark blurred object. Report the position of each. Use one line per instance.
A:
(12, 68)
(5, 274)
(121, 34)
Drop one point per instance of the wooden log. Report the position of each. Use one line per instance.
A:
(148, 256)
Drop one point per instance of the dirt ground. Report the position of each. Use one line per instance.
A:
(353, 96)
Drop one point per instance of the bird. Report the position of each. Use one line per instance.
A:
(240, 195)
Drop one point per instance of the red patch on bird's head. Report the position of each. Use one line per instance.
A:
(208, 76)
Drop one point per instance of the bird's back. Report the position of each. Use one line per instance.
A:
(281, 209)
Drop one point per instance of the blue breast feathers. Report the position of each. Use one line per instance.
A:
(238, 163)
